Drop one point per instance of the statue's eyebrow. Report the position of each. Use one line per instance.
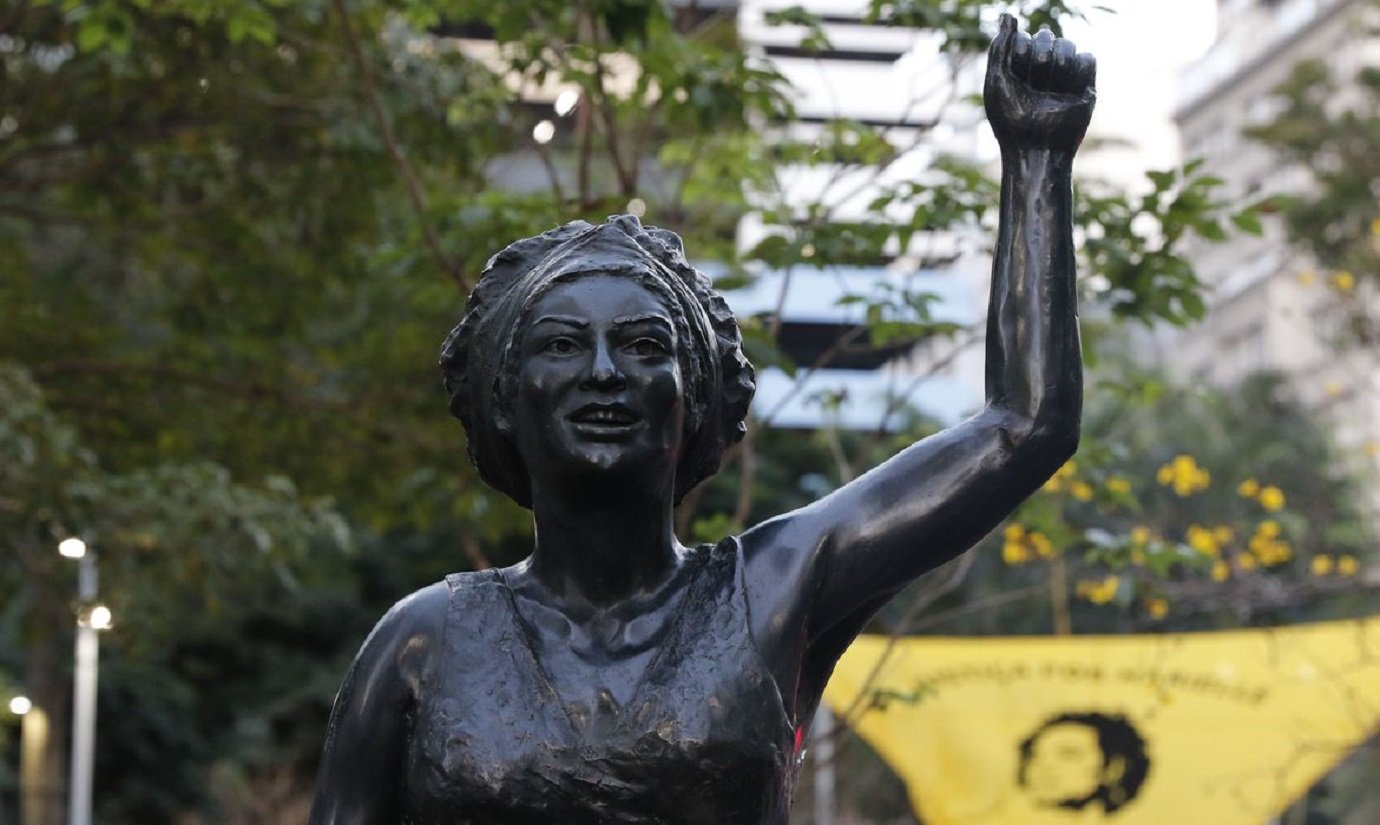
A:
(627, 320)
(568, 320)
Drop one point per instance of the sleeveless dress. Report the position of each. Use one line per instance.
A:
(704, 740)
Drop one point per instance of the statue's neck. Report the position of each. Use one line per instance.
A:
(597, 551)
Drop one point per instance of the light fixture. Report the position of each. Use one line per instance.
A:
(566, 102)
(99, 617)
(73, 548)
(21, 705)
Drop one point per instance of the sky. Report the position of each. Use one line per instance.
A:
(1141, 46)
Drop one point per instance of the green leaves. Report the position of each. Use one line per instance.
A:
(112, 25)
(814, 38)
(958, 22)
(1135, 245)
(1335, 220)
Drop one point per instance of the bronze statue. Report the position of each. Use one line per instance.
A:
(616, 676)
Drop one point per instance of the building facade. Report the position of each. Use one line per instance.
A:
(1268, 303)
(901, 83)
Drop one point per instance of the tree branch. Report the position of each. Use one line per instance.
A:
(415, 192)
(747, 472)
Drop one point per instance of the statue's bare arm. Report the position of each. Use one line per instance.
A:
(827, 567)
(361, 774)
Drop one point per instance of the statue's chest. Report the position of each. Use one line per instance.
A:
(702, 737)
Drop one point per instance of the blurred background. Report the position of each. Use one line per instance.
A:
(233, 234)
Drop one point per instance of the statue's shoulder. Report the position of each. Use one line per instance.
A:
(470, 579)
(422, 612)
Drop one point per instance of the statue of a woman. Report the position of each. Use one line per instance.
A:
(616, 676)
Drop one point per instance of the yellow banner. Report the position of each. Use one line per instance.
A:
(1210, 728)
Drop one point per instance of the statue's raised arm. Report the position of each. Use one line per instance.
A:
(847, 554)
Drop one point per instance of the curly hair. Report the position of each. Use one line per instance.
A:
(479, 358)
(1118, 739)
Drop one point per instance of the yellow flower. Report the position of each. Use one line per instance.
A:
(1344, 281)
(1245, 562)
(1118, 485)
(1372, 449)
(1140, 534)
(1269, 528)
(1272, 498)
(1348, 566)
(1099, 592)
(1375, 227)
(1082, 490)
(1248, 488)
(1322, 565)
(1138, 557)
(1054, 485)
(1043, 546)
(1070, 467)
(1334, 388)
(1223, 534)
(1014, 553)
(1013, 532)
(1270, 551)
(1308, 277)
(1157, 608)
(1184, 475)
(1220, 571)
(1201, 539)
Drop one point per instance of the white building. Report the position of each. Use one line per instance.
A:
(1266, 302)
(898, 81)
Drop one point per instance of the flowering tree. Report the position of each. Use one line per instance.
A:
(1195, 507)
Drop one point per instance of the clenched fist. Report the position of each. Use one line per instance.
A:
(1039, 92)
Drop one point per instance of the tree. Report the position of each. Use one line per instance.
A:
(1185, 509)
(1329, 128)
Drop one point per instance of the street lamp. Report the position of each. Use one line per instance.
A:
(92, 617)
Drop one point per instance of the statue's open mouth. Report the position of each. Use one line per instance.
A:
(604, 415)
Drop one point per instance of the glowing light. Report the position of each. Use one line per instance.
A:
(101, 617)
(566, 101)
(20, 705)
(544, 131)
(72, 548)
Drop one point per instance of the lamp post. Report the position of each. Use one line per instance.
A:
(33, 742)
(92, 618)
(19, 707)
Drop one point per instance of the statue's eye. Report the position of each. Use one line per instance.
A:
(561, 346)
(647, 347)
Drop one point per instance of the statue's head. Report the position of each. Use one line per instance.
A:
(502, 349)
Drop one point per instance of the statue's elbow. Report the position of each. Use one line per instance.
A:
(1054, 439)
(1044, 440)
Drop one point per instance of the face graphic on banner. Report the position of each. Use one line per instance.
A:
(1078, 760)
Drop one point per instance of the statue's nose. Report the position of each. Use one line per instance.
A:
(604, 371)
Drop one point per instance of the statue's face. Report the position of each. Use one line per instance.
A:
(1065, 765)
(599, 386)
